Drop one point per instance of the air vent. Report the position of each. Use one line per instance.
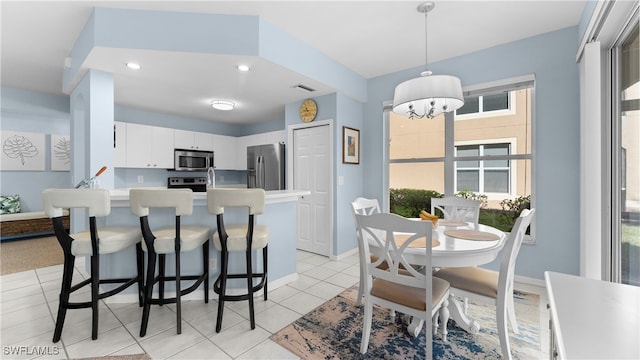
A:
(303, 88)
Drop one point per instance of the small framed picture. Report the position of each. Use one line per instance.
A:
(350, 145)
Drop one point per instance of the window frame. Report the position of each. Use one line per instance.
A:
(511, 168)
(508, 84)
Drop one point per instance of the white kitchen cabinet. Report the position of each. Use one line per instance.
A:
(149, 146)
(224, 148)
(119, 144)
(193, 140)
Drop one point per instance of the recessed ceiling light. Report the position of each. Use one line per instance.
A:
(243, 68)
(224, 105)
(133, 66)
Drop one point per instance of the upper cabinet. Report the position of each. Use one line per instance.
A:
(149, 146)
(193, 140)
(275, 137)
(119, 144)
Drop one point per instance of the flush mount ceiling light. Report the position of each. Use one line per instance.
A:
(133, 66)
(224, 105)
(243, 68)
(429, 95)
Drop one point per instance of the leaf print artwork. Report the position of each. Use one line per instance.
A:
(62, 150)
(19, 147)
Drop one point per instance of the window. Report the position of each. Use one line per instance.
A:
(485, 104)
(483, 176)
(487, 156)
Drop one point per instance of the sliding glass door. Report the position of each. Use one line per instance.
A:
(626, 158)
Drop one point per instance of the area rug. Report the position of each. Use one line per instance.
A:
(333, 331)
(29, 254)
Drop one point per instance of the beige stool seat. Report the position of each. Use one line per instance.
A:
(93, 243)
(239, 238)
(474, 279)
(191, 237)
(165, 240)
(112, 239)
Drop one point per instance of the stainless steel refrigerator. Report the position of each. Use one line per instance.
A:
(266, 166)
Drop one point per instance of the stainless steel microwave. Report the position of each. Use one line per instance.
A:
(192, 160)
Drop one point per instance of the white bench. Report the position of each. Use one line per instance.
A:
(27, 224)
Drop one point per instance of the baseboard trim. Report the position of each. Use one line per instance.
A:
(529, 281)
(344, 254)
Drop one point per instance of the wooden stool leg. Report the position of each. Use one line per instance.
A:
(161, 273)
(224, 259)
(140, 265)
(252, 318)
(95, 289)
(264, 271)
(205, 265)
(178, 295)
(65, 289)
(148, 288)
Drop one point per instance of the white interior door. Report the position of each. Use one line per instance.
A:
(312, 172)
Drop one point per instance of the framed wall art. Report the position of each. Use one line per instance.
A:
(350, 145)
(60, 152)
(22, 151)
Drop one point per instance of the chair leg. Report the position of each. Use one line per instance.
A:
(65, 288)
(178, 296)
(511, 314)
(264, 271)
(252, 318)
(95, 289)
(205, 266)
(148, 288)
(140, 265)
(224, 258)
(161, 274)
(501, 312)
(444, 318)
(366, 330)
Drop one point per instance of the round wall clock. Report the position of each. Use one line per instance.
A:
(308, 110)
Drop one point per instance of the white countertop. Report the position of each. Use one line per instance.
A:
(120, 197)
(594, 319)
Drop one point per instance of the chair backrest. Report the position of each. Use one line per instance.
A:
(96, 201)
(457, 208)
(141, 200)
(388, 232)
(218, 199)
(510, 252)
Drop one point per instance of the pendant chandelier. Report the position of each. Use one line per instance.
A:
(428, 95)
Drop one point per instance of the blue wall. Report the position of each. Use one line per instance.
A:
(551, 58)
(39, 113)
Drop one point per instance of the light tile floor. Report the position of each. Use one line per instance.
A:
(28, 305)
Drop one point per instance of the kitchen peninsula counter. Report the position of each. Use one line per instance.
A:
(280, 214)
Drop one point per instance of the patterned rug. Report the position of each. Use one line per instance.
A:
(333, 331)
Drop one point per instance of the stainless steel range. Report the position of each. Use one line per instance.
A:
(196, 184)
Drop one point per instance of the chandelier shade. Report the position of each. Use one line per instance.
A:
(428, 95)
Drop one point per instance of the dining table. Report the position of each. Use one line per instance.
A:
(458, 244)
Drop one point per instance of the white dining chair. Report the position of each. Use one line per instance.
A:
(363, 206)
(400, 287)
(457, 208)
(490, 286)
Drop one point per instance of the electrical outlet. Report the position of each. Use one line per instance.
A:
(140, 179)
(213, 264)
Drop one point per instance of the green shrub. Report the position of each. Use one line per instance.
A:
(468, 194)
(409, 202)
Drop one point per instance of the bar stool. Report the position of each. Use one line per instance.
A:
(244, 237)
(169, 240)
(94, 242)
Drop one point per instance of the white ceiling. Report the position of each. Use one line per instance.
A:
(372, 38)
